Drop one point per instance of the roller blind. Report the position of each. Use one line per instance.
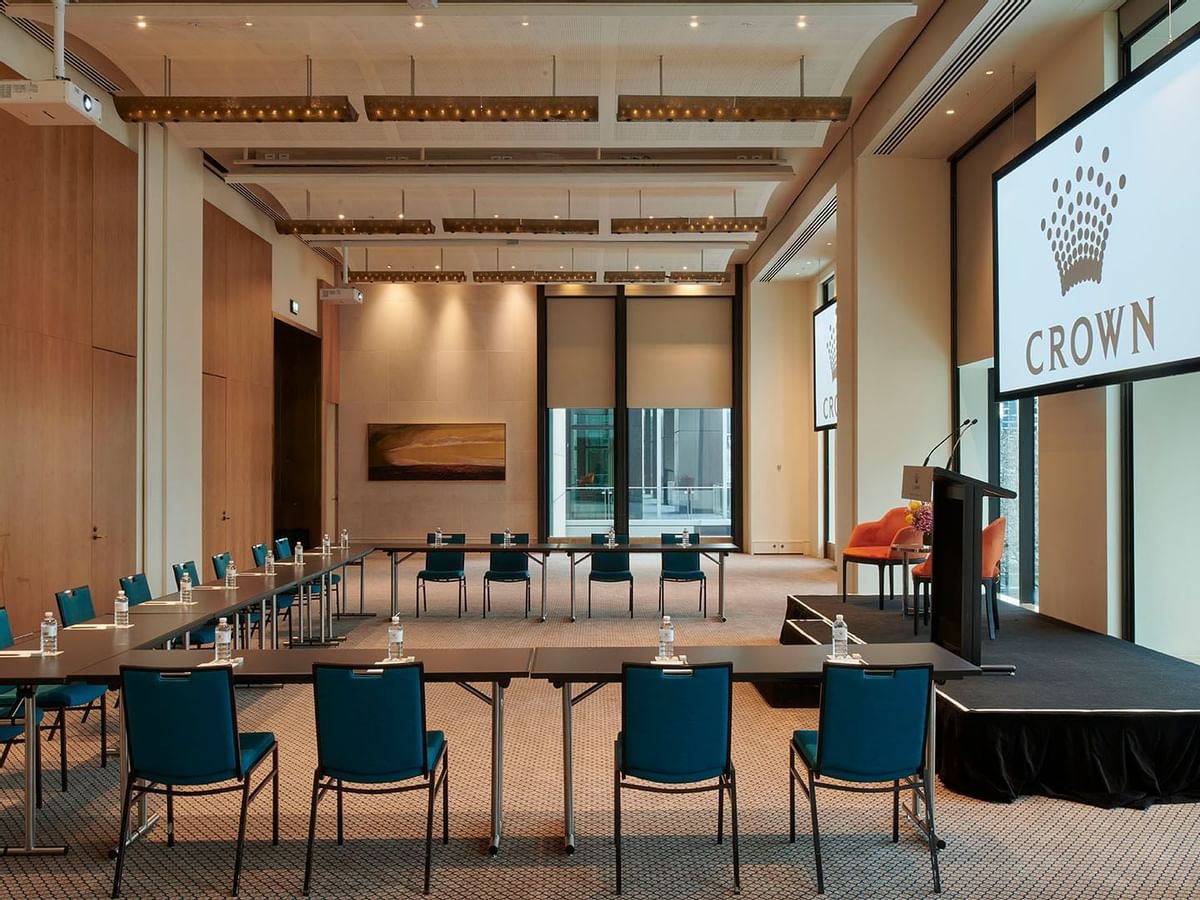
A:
(680, 352)
(580, 352)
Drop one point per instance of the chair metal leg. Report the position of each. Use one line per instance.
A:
(891, 582)
(896, 810)
(429, 832)
(589, 598)
(661, 600)
(933, 841)
(460, 598)
(312, 831)
(996, 604)
(881, 568)
(103, 733)
(528, 596)
(704, 597)
(791, 794)
(122, 844)
(487, 599)
(241, 841)
(843, 580)
(816, 831)
(62, 748)
(989, 588)
(275, 795)
(721, 810)
(418, 603)
(445, 797)
(340, 834)
(733, 827)
(617, 811)
(631, 599)
(170, 816)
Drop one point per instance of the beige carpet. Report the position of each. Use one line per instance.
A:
(1036, 847)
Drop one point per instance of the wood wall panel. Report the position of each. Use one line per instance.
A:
(114, 245)
(250, 459)
(114, 473)
(216, 287)
(46, 480)
(46, 251)
(214, 505)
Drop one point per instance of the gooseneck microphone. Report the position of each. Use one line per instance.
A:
(958, 440)
(965, 424)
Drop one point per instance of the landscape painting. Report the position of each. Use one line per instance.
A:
(473, 452)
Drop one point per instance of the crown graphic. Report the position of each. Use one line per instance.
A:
(1077, 229)
(831, 349)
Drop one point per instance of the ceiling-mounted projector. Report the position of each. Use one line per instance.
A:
(55, 101)
(343, 295)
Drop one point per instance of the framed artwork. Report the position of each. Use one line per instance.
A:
(436, 452)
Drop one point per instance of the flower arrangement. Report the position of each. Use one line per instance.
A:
(920, 516)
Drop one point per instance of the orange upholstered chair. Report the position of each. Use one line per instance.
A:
(871, 545)
(991, 553)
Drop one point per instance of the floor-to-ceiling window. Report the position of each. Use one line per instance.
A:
(581, 467)
(828, 505)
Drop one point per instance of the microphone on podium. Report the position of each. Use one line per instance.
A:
(966, 423)
(958, 440)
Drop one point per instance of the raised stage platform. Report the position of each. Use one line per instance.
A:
(1086, 717)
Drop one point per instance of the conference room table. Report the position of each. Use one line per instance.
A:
(497, 666)
(151, 624)
(566, 667)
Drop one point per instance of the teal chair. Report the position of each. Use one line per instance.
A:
(181, 731)
(75, 606)
(401, 754)
(207, 633)
(507, 566)
(676, 732)
(610, 567)
(283, 602)
(136, 588)
(443, 566)
(684, 568)
(251, 619)
(12, 714)
(871, 737)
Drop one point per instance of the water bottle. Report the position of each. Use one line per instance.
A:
(231, 575)
(269, 563)
(437, 537)
(299, 555)
(395, 639)
(345, 539)
(841, 638)
(49, 634)
(612, 537)
(224, 640)
(326, 546)
(666, 639)
(121, 610)
(685, 536)
(185, 588)
(507, 537)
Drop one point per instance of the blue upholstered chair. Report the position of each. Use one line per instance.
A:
(610, 567)
(207, 633)
(251, 619)
(181, 731)
(75, 606)
(871, 738)
(676, 725)
(136, 588)
(444, 566)
(511, 566)
(283, 551)
(400, 754)
(12, 715)
(682, 567)
(283, 602)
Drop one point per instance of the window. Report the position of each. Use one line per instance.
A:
(680, 470)
(581, 471)
(1185, 14)
(828, 454)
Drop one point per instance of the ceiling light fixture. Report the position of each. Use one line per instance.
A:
(141, 23)
(533, 276)
(354, 226)
(949, 112)
(801, 23)
(496, 225)
(426, 276)
(400, 108)
(699, 277)
(658, 108)
(249, 24)
(418, 23)
(694, 23)
(686, 225)
(635, 277)
(990, 72)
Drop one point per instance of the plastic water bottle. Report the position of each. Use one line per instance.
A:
(507, 537)
(269, 562)
(231, 575)
(224, 640)
(298, 558)
(185, 588)
(395, 639)
(121, 610)
(841, 638)
(666, 639)
(49, 634)
(437, 537)
(612, 537)
(326, 546)
(345, 539)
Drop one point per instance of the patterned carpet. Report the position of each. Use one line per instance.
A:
(1037, 847)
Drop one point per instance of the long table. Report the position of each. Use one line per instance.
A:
(565, 667)
(495, 665)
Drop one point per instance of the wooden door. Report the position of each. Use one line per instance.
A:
(114, 473)
(249, 460)
(214, 505)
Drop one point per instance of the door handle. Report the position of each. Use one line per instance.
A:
(225, 517)
(96, 535)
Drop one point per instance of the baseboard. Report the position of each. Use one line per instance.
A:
(803, 548)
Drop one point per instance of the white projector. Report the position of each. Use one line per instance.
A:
(343, 295)
(53, 102)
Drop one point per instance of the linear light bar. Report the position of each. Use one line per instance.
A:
(656, 108)
(355, 226)
(699, 277)
(521, 226)
(635, 277)
(684, 225)
(420, 276)
(227, 110)
(533, 276)
(406, 108)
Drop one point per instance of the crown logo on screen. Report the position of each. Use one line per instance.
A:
(1077, 229)
(831, 349)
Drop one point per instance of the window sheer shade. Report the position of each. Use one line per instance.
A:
(580, 353)
(680, 353)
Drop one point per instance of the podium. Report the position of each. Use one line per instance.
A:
(957, 549)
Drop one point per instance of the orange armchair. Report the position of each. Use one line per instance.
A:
(871, 545)
(991, 553)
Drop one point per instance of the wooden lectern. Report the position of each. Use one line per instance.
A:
(957, 549)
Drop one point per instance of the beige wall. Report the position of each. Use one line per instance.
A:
(1078, 455)
(780, 452)
(439, 353)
